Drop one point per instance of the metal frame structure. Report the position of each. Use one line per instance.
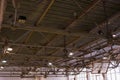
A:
(40, 39)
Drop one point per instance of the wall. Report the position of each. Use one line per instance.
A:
(14, 78)
(18, 78)
(56, 78)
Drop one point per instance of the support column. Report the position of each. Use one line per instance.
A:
(2, 8)
(40, 78)
(104, 76)
(75, 78)
(87, 75)
(67, 77)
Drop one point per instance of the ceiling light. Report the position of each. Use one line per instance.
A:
(105, 58)
(4, 61)
(7, 52)
(9, 49)
(22, 19)
(70, 54)
(50, 64)
(114, 36)
(30, 72)
(1, 67)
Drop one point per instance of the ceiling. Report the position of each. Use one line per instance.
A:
(51, 29)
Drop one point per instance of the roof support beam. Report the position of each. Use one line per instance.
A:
(31, 45)
(2, 9)
(110, 20)
(46, 45)
(76, 40)
(89, 8)
(45, 12)
(31, 57)
(42, 17)
(101, 25)
(84, 12)
(47, 30)
(114, 17)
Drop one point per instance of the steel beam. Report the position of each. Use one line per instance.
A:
(46, 44)
(110, 20)
(33, 57)
(48, 30)
(99, 39)
(45, 12)
(2, 9)
(31, 45)
(21, 37)
(89, 8)
(67, 45)
(32, 76)
(42, 17)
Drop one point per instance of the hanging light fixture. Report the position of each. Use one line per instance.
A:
(50, 64)
(114, 36)
(4, 61)
(67, 52)
(7, 52)
(71, 54)
(9, 49)
(1, 67)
